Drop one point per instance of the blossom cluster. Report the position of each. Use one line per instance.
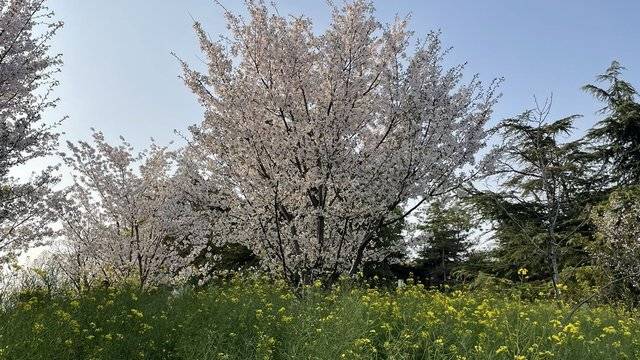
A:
(319, 138)
(618, 233)
(27, 72)
(126, 218)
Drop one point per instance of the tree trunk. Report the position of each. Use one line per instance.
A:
(555, 277)
(444, 269)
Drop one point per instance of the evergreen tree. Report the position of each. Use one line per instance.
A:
(539, 212)
(616, 138)
(446, 241)
(392, 250)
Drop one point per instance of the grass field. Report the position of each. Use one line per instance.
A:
(258, 319)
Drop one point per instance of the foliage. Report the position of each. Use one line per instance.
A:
(223, 260)
(26, 81)
(392, 247)
(318, 138)
(314, 150)
(446, 229)
(539, 210)
(615, 140)
(261, 319)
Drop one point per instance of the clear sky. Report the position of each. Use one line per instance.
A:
(119, 76)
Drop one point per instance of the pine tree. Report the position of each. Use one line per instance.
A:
(539, 212)
(446, 242)
(617, 136)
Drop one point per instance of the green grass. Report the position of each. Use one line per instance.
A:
(258, 319)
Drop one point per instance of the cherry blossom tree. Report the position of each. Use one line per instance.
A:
(125, 219)
(26, 83)
(319, 137)
(617, 222)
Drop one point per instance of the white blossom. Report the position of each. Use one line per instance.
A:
(319, 137)
(618, 232)
(124, 217)
(26, 82)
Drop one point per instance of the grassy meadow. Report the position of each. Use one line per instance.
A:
(246, 318)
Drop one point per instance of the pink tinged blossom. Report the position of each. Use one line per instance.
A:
(127, 217)
(26, 84)
(317, 138)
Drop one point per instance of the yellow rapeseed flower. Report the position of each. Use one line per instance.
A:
(37, 328)
(137, 313)
(571, 328)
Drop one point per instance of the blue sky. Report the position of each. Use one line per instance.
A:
(119, 76)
